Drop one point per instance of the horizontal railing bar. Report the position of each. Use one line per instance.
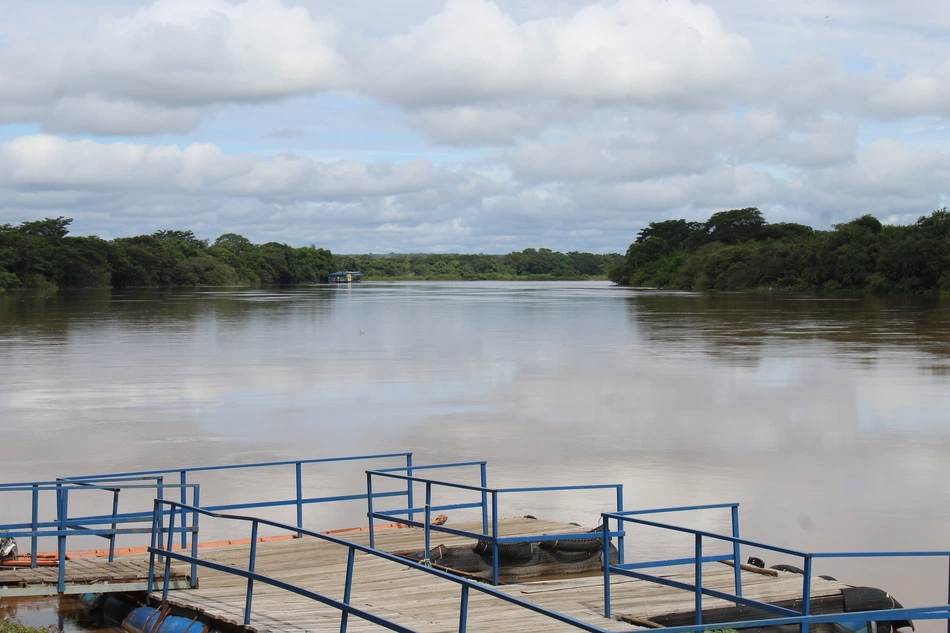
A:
(291, 462)
(886, 615)
(429, 466)
(293, 502)
(713, 535)
(433, 528)
(711, 506)
(80, 485)
(385, 555)
(711, 592)
(878, 554)
(672, 562)
(80, 532)
(457, 506)
(280, 584)
(556, 488)
(436, 482)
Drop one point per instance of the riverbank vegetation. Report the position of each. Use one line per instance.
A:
(42, 254)
(529, 264)
(14, 626)
(739, 250)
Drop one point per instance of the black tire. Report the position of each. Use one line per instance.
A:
(517, 551)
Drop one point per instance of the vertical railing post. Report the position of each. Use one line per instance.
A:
(35, 525)
(409, 485)
(806, 591)
(194, 538)
(250, 568)
(606, 554)
(484, 479)
(699, 579)
(160, 495)
(369, 508)
(494, 537)
(347, 589)
(299, 475)
(620, 545)
(168, 559)
(151, 555)
(463, 610)
(61, 544)
(736, 556)
(428, 519)
(182, 480)
(115, 511)
(948, 591)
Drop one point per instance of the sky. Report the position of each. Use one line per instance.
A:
(372, 126)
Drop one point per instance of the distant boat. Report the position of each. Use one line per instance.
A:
(345, 277)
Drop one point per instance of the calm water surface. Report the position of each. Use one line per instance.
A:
(828, 419)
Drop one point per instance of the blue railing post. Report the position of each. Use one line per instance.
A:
(699, 579)
(182, 477)
(159, 494)
(484, 473)
(194, 539)
(347, 589)
(369, 508)
(736, 556)
(806, 591)
(948, 591)
(61, 544)
(156, 514)
(33, 539)
(168, 559)
(620, 545)
(606, 554)
(299, 475)
(463, 610)
(428, 519)
(409, 485)
(494, 537)
(250, 568)
(115, 511)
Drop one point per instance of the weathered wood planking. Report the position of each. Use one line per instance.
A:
(428, 604)
(83, 573)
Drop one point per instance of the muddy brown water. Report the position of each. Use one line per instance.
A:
(827, 418)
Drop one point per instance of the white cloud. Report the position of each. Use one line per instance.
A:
(173, 54)
(629, 51)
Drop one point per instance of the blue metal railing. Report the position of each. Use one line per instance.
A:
(64, 526)
(344, 606)
(787, 616)
(489, 506)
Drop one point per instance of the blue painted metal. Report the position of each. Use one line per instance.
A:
(342, 606)
(463, 610)
(348, 588)
(788, 616)
(736, 556)
(250, 567)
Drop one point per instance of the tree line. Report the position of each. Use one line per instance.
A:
(529, 264)
(42, 254)
(739, 250)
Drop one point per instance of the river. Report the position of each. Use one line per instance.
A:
(826, 418)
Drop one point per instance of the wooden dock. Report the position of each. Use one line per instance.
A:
(87, 575)
(429, 604)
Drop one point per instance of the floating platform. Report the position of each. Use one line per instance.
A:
(428, 604)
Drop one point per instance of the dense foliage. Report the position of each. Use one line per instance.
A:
(14, 626)
(739, 250)
(539, 264)
(41, 254)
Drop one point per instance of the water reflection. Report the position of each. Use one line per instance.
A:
(825, 418)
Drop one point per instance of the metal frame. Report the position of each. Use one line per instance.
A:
(489, 499)
(786, 616)
(64, 525)
(466, 586)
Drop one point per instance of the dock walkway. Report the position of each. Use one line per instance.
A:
(428, 604)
